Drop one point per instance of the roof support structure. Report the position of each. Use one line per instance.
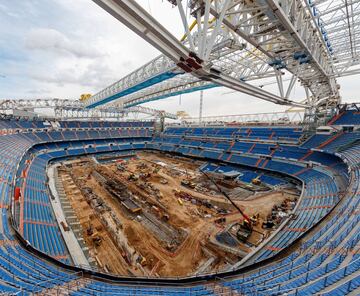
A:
(75, 109)
(137, 19)
(230, 43)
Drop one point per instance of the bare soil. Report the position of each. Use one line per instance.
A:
(196, 221)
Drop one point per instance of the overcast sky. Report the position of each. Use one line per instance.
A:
(62, 48)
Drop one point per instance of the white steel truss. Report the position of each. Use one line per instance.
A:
(274, 118)
(226, 48)
(11, 104)
(110, 112)
(339, 23)
(232, 42)
(64, 108)
(156, 67)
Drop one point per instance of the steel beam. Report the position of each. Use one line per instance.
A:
(142, 23)
(70, 108)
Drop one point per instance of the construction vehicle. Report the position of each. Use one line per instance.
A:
(221, 220)
(243, 229)
(256, 181)
(189, 184)
(268, 224)
(133, 177)
(89, 230)
(144, 176)
(120, 168)
(97, 240)
(254, 219)
(143, 261)
(165, 217)
(142, 166)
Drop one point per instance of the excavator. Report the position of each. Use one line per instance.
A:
(256, 181)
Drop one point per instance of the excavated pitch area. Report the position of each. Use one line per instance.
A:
(138, 219)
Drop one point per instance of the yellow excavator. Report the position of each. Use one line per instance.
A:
(256, 181)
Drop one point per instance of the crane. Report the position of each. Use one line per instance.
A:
(246, 217)
(246, 227)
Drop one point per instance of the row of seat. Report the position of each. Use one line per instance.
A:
(286, 276)
(323, 262)
(348, 117)
(275, 133)
(318, 185)
(245, 175)
(38, 221)
(211, 149)
(275, 150)
(40, 124)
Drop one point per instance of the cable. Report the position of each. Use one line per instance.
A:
(227, 197)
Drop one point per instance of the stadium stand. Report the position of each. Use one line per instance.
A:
(250, 133)
(316, 140)
(326, 261)
(347, 117)
(245, 175)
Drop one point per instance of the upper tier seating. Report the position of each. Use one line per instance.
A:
(38, 124)
(246, 175)
(350, 117)
(341, 142)
(316, 140)
(20, 124)
(249, 133)
(332, 143)
(225, 150)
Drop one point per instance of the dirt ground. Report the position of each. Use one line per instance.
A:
(195, 221)
(107, 255)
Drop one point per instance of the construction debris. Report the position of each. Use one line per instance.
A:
(156, 214)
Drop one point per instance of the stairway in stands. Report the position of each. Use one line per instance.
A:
(67, 288)
(330, 140)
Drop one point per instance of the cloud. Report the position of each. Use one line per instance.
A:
(39, 91)
(95, 75)
(53, 41)
(62, 48)
(5, 10)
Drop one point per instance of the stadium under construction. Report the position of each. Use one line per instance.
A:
(96, 203)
